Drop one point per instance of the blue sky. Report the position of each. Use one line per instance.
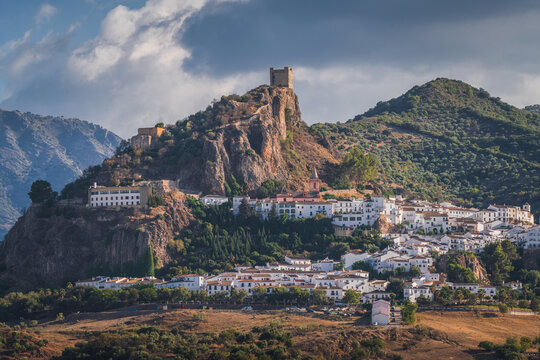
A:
(131, 63)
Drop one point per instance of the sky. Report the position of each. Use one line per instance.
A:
(133, 63)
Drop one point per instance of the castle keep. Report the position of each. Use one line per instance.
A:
(146, 138)
(281, 77)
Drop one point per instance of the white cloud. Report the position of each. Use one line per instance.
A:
(45, 13)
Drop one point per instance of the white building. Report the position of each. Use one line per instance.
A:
(101, 196)
(214, 200)
(192, 282)
(380, 313)
(353, 256)
(326, 265)
(529, 238)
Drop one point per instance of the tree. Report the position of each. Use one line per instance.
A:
(408, 312)
(160, 125)
(487, 345)
(318, 296)
(270, 187)
(422, 300)
(358, 167)
(41, 191)
(396, 287)
(145, 265)
(498, 264)
(352, 297)
(245, 210)
(238, 296)
(415, 271)
(481, 295)
(535, 304)
(445, 295)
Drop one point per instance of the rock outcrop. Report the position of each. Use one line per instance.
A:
(51, 245)
(467, 261)
(241, 140)
(386, 227)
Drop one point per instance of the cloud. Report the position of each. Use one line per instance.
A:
(169, 58)
(45, 13)
(128, 76)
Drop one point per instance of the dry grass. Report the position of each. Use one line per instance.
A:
(450, 335)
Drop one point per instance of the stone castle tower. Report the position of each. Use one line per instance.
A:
(281, 77)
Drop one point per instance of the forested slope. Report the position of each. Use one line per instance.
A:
(448, 140)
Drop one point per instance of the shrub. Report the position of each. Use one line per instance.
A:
(486, 345)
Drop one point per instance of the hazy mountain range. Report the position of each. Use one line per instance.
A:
(55, 149)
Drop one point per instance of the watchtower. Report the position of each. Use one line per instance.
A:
(281, 77)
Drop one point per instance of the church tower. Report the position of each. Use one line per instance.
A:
(314, 182)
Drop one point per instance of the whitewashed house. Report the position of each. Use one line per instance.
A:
(380, 313)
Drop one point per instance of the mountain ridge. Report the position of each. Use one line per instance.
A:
(56, 149)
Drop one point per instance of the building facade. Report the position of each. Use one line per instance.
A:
(99, 196)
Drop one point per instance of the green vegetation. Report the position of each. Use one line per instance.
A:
(455, 271)
(368, 348)
(512, 349)
(270, 187)
(57, 302)
(351, 297)
(18, 342)
(41, 192)
(263, 342)
(218, 240)
(499, 259)
(356, 169)
(446, 140)
(408, 312)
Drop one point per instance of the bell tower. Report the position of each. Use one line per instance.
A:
(314, 182)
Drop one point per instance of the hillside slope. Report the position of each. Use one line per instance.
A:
(44, 147)
(446, 140)
(230, 148)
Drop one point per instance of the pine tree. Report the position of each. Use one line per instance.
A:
(245, 209)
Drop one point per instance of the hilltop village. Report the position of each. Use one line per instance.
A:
(419, 231)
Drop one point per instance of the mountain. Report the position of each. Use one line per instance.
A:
(232, 146)
(35, 147)
(446, 140)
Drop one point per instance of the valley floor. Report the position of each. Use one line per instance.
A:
(440, 335)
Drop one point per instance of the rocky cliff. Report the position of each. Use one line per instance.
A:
(465, 261)
(51, 245)
(236, 143)
(35, 147)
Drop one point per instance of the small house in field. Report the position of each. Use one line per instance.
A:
(380, 313)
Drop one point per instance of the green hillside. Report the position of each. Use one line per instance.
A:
(446, 140)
